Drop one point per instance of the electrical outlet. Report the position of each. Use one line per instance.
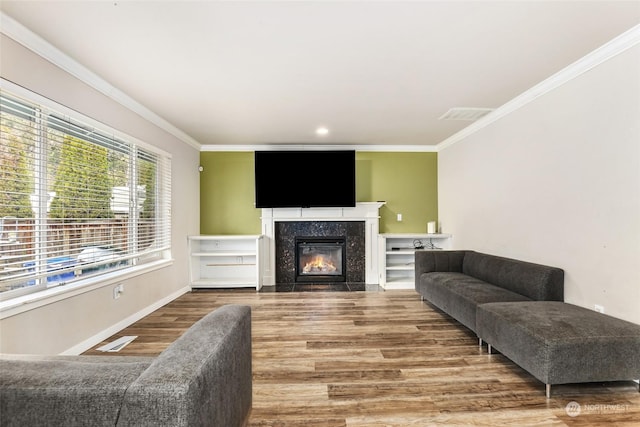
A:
(400, 217)
(117, 291)
(598, 308)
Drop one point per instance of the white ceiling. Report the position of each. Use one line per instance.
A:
(373, 72)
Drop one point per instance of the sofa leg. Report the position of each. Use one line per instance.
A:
(548, 390)
(489, 348)
(479, 342)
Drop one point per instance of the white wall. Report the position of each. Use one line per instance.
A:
(557, 182)
(73, 322)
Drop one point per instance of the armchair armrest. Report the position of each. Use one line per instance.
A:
(427, 261)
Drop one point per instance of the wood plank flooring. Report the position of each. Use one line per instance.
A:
(381, 359)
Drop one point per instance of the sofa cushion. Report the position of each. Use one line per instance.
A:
(560, 343)
(459, 295)
(535, 281)
(65, 390)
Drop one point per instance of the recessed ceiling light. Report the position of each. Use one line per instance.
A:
(322, 131)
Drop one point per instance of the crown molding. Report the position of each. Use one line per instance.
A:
(607, 51)
(273, 147)
(21, 34)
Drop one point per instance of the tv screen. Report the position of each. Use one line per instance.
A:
(306, 179)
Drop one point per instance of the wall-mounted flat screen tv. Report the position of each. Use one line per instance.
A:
(305, 179)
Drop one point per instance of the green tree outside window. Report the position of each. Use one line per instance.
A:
(82, 185)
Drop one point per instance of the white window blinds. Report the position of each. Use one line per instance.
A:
(75, 200)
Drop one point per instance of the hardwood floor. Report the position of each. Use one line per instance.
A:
(381, 359)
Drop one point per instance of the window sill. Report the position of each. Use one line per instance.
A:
(29, 302)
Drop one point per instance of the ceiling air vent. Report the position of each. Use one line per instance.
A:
(465, 113)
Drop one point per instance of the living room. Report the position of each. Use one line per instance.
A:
(552, 176)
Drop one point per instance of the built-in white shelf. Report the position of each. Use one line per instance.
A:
(397, 256)
(225, 261)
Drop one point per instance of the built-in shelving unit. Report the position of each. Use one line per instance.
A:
(397, 256)
(225, 261)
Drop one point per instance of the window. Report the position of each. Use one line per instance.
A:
(76, 200)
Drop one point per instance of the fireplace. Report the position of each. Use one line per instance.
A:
(358, 224)
(320, 259)
(320, 236)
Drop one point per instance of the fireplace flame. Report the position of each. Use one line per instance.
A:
(319, 265)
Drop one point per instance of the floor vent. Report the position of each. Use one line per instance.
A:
(465, 113)
(118, 344)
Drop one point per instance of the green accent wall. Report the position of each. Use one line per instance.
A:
(408, 182)
(226, 194)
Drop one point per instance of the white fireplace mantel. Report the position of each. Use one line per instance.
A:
(363, 211)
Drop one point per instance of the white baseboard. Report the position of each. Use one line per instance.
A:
(98, 338)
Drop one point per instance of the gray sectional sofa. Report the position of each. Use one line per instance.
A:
(203, 379)
(458, 281)
(560, 343)
(517, 307)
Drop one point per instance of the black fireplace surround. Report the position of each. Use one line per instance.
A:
(353, 262)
